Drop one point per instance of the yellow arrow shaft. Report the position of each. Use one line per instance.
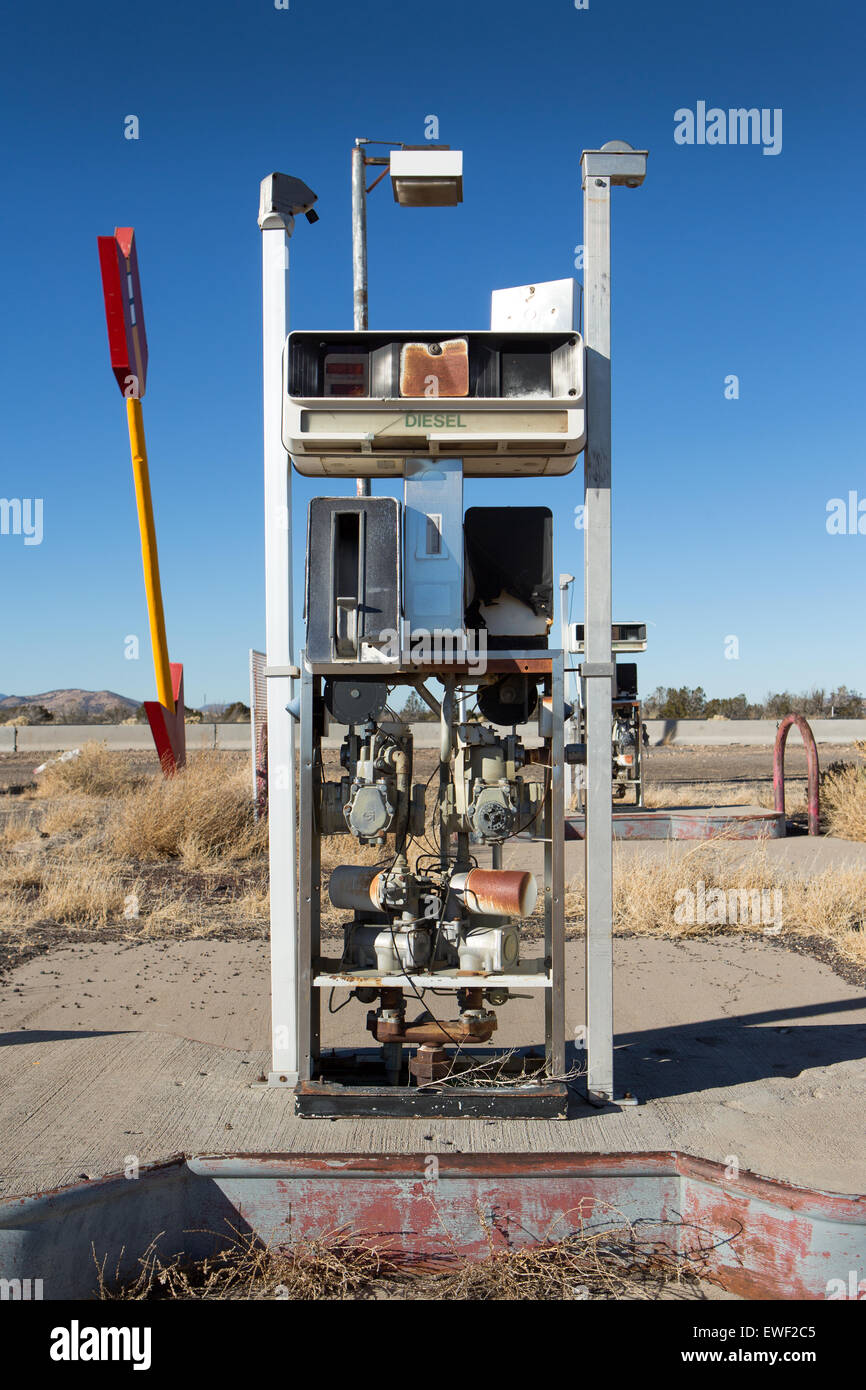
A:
(149, 557)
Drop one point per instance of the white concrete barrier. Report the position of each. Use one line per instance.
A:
(754, 732)
(57, 738)
(233, 738)
(50, 738)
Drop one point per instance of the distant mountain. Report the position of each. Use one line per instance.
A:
(65, 702)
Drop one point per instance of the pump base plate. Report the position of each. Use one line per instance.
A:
(353, 1084)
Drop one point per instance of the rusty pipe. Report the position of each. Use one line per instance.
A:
(811, 762)
(497, 892)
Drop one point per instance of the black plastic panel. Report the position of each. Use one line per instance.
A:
(353, 555)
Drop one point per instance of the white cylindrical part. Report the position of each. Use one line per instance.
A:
(545, 716)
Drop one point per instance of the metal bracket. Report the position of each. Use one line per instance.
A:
(283, 1080)
(604, 669)
(600, 1099)
(617, 161)
(293, 672)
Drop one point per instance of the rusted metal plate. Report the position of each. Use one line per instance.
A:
(689, 824)
(762, 1239)
(435, 369)
(770, 1239)
(494, 665)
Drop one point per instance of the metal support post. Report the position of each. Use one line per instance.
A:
(554, 880)
(616, 163)
(277, 227)
(310, 888)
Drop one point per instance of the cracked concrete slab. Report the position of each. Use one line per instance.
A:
(740, 1051)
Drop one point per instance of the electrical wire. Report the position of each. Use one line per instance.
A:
(346, 1001)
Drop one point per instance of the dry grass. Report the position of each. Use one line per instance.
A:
(70, 814)
(195, 862)
(87, 897)
(843, 802)
(16, 830)
(150, 857)
(33, 890)
(660, 795)
(612, 1261)
(200, 815)
(649, 897)
(95, 772)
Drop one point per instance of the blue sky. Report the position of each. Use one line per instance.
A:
(727, 261)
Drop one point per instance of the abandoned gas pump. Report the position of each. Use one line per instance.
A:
(419, 595)
(627, 735)
(438, 918)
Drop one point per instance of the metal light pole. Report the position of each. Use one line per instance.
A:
(615, 163)
(438, 187)
(359, 260)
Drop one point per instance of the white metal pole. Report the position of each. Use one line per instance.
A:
(615, 163)
(276, 230)
(597, 652)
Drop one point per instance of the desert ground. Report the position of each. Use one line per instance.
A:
(134, 1000)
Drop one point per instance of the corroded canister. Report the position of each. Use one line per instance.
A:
(355, 887)
(497, 892)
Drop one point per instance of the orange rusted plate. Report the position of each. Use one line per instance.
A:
(435, 369)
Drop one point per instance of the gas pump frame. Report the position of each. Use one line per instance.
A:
(297, 973)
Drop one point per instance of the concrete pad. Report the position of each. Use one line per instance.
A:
(740, 1051)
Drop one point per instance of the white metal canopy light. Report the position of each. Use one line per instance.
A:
(427, 178)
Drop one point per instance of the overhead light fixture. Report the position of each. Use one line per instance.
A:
(427, 178)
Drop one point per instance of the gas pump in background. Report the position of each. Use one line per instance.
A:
(627, 735)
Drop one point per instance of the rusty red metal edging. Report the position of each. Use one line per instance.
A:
(672, 824)
(761, 1237)
(811, 762)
